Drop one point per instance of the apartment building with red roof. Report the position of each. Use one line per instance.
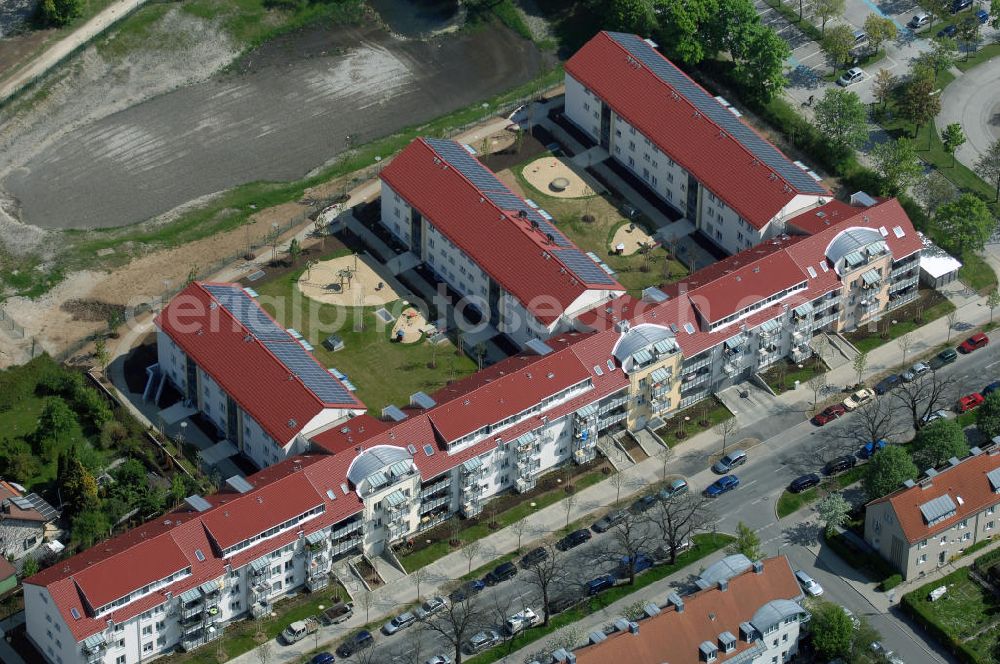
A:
(690, 149)
(504, 256)
(925, 524)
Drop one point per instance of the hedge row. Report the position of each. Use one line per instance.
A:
(913, 604)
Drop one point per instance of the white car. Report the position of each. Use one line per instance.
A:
(480, 641)
(859, 398)
(808, 584)
(439, 659)
(521, 621)
(936, 415)
(850, 77)
(402, 621)
(919, 20)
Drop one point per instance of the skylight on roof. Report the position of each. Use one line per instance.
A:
(331, 494)
(343, 487)
(199, 555)
(412, 449)
(598, 370)
(883, 231)
(428, 450)
(898, 230)
(611, 365)
(812, 271)
(73, 612)
(823, 266)
(689, 328)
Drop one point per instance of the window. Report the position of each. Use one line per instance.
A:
(655, 164)
(963, 524)
(631, 130)
(147, 647)
(966, 537)
(586, 106)
(120, 659)
(147, 630)
(646, 157)
(922, 544)
(943, 540)
(784, 638)
(430, 242)
(989, 525)
(989, 510)
(670, 195)
(654, 180)
(120, 643)
(631, 162)
(161, 641)
(160, 625)
(922, 559)
(289, 564)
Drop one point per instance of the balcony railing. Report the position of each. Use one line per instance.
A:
(905, 283)
(346, 530)
(428, 505)
(693, 399)
(609, 421)
(698, 364)
(431, 489)
(345, 546)
(895, 303)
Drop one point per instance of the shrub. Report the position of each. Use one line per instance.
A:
(891, 582)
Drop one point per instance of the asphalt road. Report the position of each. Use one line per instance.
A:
(289, 112)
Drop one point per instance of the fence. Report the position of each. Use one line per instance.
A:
(10, 325)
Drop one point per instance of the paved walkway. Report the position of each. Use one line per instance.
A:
(64, 47)
(973, 100)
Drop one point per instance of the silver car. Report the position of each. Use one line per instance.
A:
(402, 621)
(918, 369)
(480, 641)
(850, 77)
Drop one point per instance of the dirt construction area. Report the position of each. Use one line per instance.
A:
(288, 110)
(346, 282)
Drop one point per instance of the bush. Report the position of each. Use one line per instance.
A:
(891, 582)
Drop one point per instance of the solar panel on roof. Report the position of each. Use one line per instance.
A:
(938, 508)
(246, 310)
(319, 381)
(716, 112)
(584, 268)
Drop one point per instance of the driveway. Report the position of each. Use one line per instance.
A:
(973, 100)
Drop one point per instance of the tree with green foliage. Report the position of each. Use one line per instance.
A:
(988, 414)
(840, 116)
(827, 9)
(952, 138)
(77, 487)
(940, 440)
(883, 85)
(833, 512)
(55, 424)
(940, 57)
(17, 461)
(920, 102)
(91, 406)
(30, 567)
(838, 44)
(964, 224)
(968, 34)
(860, 365)
(935, 191)
(995, 15)
(937, 9)
(680, 28)
(747, 542)
(294, 250)
(988, 165)
(761, 68)
(632, 16)
(887, 470)
(733, 28)
(880, 30)
(60, 12)
(993, 301)
(89, 527)
(897, 165)
(831, 630)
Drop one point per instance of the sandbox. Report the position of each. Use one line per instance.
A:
(632, 236)
(556, 179)
(346, 281)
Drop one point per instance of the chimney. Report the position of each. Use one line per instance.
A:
(723, 585)
(674, 600)
(758, 567)
(563, 656)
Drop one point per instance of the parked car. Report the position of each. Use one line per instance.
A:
(644, 503)
(936, 415)
(804, 482)
(888, 383)
(563, 602)
(840, 464)
(870, 448)
(947, 356)
(859, 398)
(982, 16)
(439, 659)
(603, 582)
(918, 369)
(501, 572)
(722, 485)
(642, 563)
(466, 590)
(299, 629)
(991, 388)
(480, 641)
(609, 520)
(521, 621)
(860, 37)
(975, 342)
(959, 5)
(947, 31)
(675, 488)
(850, 77)
(919, 20)
(338, 613)
(808, 584)
(969, 402)
(431, 606)
(402, 621)
(533, 557)
(355, 642)
(829, 414)
(322, 658)
(574, 539)
(729, 461)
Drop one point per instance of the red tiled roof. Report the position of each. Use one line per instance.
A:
(257, 380)
(967, 485)
(506, 247)
(676, 636)
(6, 569)
(823, 217)
(720, 162)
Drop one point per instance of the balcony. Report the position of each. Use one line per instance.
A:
(904, 298)
(190, 610)
(433, 503)
(524, 484)
(343, 531)
(693, 399)
(260, 609)
(431, 489)
(801, 352)
(94, 648)
(471, 506)
(584, 455)
(611, 420)
(344, 546)
(904, 283)
(698, 363)
(317, 582)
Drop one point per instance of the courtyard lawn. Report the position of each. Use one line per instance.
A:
(976, 273)
(634, 272)
(966, 611)
(930, 306)
(701, 416)
(783, 374)
(384, 372)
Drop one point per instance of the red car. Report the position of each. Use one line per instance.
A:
(970, 401)
(829, 414)
(975, 342)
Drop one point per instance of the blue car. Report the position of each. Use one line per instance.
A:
(602, 582)
(888, 383)
(722, 485)
(868, 449)
(322, 658)
(992, 387)
(947, 31)
(468, 589)
(642, 563)
(982, 15)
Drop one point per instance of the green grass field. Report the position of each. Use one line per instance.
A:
(710, 410)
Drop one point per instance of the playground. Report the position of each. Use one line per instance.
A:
(349, 281)
(629, 238)
(551, 176)
(410, 327)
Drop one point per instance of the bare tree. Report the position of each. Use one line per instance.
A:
(419, 576)
(817, 383)
(664, 454)
(568, 502)
(905, 342)
(861, 365)
(546, 575)
(872, 421)
(952, 318)
(679, 517)
(263, 652)
(367, 601)
(470, 551)
(457, 621)
(923, 395)
(618, 481)
(518, 528)
(725, 429)
(629, 537)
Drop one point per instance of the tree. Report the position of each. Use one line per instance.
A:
(294, 250)
(968, 34)
(833, 511)
(923, 395)
(905, 343)
(838, 44)
(568, 503)
(89, 526)
(632, 16)
(993, 301)
(629, 538)
(935, 191)
(897, 165)
(546, 575)
(732, 28)
(988, 165)
(887, 470)
(456, 621)
(470, 551)
(995, 15)
(101, 354)
(860, 365)
(617, 481)
(60, 12)
(883, 85)
(873, 421)
(680, 24)
(880, 30)
(725, 429)
(964, 224)
(367, 601)
(56, 422)
(920, 102)
(419, 575)
(840, 116)
(937, 8)
(518, 528)
(952, 138)
(987, 418)
(943, 439)
(263, 652)
(832, 631)
(747, 542)
(679, 517)
(817, 383)
(941, 56)
(30, 567)
(827, 9)
(761, 68)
